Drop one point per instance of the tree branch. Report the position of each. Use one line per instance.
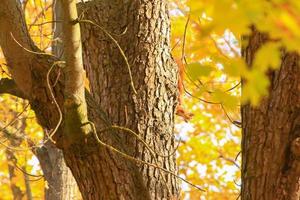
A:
(28, 66)
(8, 86)
(76, 127)
(14, 39)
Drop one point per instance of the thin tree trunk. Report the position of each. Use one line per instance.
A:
(271, 133)
(60, 181)
(27, 184)
(16, 191)
(22, 128)
(15, 140)
(12, 161)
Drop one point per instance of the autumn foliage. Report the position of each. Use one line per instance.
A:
(207, 38)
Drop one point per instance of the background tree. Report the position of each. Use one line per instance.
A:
(219, 24)
(271, 132)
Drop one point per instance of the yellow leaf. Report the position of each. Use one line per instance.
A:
(268, 56)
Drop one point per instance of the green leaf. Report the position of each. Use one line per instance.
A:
(196, 70)
(255, 87)
(229, 101)
(236, 67)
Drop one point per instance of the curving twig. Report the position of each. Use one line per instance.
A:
(30, 51)
(55, 102)
(138, 160)
(117, 44)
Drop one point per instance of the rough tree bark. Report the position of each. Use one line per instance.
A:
(271, 133)
(60, 181)
(142, 30)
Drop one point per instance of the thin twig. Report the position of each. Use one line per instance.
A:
(203, 100)
(39, 15)
(138, 160)
(184, 38)
(152, 152)
(142, 141)
(119, 47)
(24, 172)
(15, 148)
(230, 160)
(54, 100)
(30, 51)
(229, 118)
(47, 22)
(228, 90)
(15, 119)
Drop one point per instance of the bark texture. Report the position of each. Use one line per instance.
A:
(142, 30)
(60, 181)
(271, 133)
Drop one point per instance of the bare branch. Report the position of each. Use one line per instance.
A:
(12, 22)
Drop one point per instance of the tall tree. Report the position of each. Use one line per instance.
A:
(270, 139)
(133, 93)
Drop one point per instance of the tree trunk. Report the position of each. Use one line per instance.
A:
(271, 133)
(60, 182)
(16, 190)
(142, 31)
(141, 28)
(27, 184)
(12, 161)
